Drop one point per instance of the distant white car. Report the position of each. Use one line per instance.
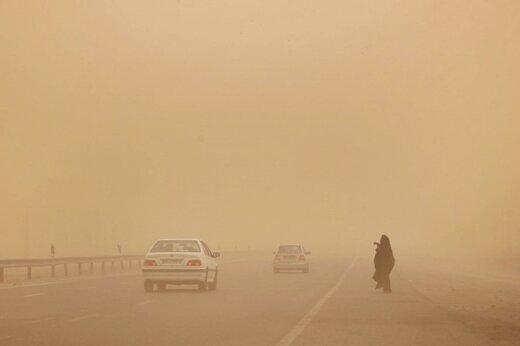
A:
(291, 257)
(180, 262)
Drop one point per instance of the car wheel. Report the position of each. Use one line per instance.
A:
(203, 286)
(161, 286)
(148, 286)
(213, 285)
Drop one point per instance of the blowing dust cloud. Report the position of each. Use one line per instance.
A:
(252, 125)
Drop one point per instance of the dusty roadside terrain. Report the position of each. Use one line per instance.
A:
(485, 290)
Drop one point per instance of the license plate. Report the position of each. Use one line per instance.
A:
(171, 260)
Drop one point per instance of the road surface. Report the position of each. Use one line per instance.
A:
(334, 304)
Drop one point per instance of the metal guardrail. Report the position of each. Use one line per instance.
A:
(52, 263)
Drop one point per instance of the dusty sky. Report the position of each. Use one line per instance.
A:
(250, 123)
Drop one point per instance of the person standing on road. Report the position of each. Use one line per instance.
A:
(384, 262)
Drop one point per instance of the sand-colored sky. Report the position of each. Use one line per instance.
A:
(249, 123)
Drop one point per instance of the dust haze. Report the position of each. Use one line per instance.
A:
(250, 128)
(251, 123)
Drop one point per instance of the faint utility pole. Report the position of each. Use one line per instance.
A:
(52, 250)
(119, 250)
(26, 232)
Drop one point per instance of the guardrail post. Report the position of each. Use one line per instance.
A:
(53, 270)
(80, 268)
(91, 267)
(29, 272)
(66, 269)
(2, 274)
(103, 266)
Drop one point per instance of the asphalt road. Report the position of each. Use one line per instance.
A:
(334, 304)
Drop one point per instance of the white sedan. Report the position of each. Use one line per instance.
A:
(180, 262)
(291, 257)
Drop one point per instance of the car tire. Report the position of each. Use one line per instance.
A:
(213, 285)
(203, 286)
(161, 286)
(148, 286)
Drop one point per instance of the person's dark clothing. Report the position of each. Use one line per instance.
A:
(384, 262)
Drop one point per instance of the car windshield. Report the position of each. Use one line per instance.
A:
(289, 249)
(176, 246)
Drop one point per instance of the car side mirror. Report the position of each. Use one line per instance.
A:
(307, 252)
(216, 254)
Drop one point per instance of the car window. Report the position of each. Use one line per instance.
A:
(207, 251)
(289, 249)
(176, 246)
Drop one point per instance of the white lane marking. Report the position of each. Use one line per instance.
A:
(40, 320)
(304, 322)
(33, 295)
(48, 319)
(145, 302)
(33, 322)
(84, 317)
